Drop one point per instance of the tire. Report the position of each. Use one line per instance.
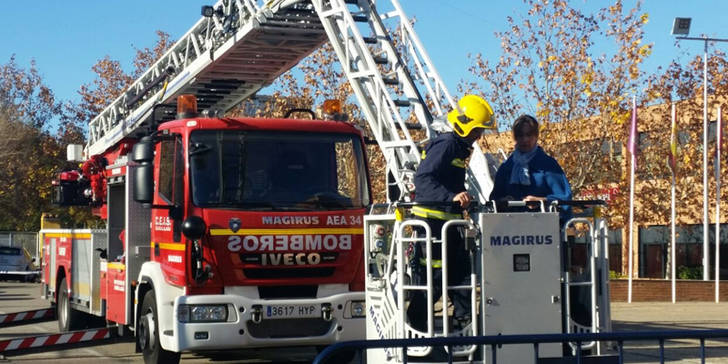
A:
(148, 335)
(68, 318)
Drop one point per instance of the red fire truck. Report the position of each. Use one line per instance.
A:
(222, 233)
(232, 233)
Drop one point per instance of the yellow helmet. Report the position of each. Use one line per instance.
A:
(473, 112)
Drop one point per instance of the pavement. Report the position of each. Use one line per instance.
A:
(655, 316)
(637, 316)
(669, 316)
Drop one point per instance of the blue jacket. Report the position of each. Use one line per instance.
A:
(441, 174)
(547, 180)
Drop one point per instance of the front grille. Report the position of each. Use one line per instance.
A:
(282, 273)
(285, 328)
(277, 292)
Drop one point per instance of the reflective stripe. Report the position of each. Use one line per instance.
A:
(68, 235)
(353, 231)
(434, 214)
(457, 162)
(115, 265)
(436, 263)
(424, 154)
(170, 246)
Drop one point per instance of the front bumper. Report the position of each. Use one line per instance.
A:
(240, 330)
(20, 272)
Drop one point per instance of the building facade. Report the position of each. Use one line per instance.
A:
(594, 155)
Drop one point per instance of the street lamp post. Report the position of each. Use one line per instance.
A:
(681, 26)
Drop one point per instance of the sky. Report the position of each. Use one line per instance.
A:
(65, 38)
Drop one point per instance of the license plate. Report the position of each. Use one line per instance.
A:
(292, 311)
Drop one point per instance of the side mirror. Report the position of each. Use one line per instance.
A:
(193, 227)
(143, 153)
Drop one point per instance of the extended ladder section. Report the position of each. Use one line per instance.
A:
(222, 60)
(241, 47)
(380, 73)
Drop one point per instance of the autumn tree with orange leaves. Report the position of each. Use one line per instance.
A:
(111, 80)
(37, 127)
(29, 149)
(550, 68)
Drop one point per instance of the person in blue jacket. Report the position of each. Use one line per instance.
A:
(441, 196)
(529, 174)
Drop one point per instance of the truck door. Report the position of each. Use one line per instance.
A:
(168, 247)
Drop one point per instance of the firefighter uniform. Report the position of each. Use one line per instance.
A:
(440, 176)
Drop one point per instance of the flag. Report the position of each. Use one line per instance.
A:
(672, 161)
(718, 146)
(632, 144)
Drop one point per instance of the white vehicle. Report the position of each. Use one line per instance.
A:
(15, 263)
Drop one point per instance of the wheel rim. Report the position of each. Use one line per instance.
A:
(63, 316)
(146, 337)
(143, 334)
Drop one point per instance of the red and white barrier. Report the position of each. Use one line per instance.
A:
(16, 317)
(55, 339)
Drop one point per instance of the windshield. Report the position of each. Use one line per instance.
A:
(9, 251)
(277, 170)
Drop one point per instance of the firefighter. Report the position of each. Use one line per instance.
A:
(441, 196)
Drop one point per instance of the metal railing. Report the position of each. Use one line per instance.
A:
(495, 342)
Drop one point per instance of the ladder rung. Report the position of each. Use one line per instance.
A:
(380, 60)
(360, 18)
(461, 287)
(370, 40)
(411, 126)
(390, 81)
(575, 284)
(402, 103)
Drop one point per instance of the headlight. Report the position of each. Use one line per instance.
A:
(357, 309)
(202, 313)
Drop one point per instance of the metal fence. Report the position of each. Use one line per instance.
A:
(495, 342)
(26, 240)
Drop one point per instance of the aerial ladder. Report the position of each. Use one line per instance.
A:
(239, 47)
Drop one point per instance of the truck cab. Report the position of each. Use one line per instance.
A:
(222, 233)
(275, 211)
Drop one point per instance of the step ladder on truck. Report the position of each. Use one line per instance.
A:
(205, 246)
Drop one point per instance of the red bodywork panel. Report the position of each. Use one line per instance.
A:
(115, 292)
(284, 248)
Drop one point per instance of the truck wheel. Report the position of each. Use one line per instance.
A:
(148, 335)
(68, 318)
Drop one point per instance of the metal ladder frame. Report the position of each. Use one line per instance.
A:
(181, 63)
(385, 76)
(399, 246)
(381, 95)
(596, 253)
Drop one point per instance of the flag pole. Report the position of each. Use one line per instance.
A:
(672, 205)
(632, 141)
(718, 142)
(706, 261)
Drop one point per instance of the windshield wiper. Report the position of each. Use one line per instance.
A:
(328, 200)
(199, 148)
(257, 204)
